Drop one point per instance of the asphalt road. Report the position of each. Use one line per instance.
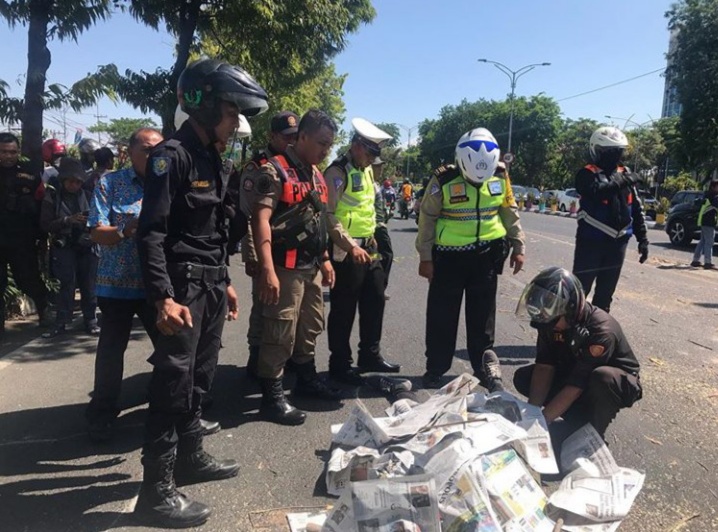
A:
(53, 479)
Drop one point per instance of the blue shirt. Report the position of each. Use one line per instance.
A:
(117, 199)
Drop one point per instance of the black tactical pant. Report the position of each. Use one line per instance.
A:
(609, 389)
(359, 285)
(383, 241)
(600, 261)
(22, 258)
(184, 367)
(117, 316)
(456, 273)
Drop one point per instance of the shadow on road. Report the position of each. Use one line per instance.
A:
(414, 229)
(706, 305)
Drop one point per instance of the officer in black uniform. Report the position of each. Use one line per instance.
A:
(585, 370)
(21, 194)
(182, 242)
(610, 213)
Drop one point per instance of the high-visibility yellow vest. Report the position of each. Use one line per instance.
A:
(470, 214)
(355, 210)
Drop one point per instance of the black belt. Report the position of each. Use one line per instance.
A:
(197, 272)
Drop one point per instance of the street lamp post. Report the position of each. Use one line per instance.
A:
(408, 143)
(513, 76)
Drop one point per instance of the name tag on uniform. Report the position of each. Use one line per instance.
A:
(495, 188)
(457, 193)
(200, 184)
(357, 183)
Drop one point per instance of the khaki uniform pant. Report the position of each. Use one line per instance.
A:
(291, 327)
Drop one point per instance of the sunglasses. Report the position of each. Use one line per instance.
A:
(476, 145)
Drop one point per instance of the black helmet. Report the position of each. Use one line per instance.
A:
(553, 293)
(88, 146)
(204, 83)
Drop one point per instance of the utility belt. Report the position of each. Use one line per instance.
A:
(497, 250)
(197, 272)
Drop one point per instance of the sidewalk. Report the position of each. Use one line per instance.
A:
(649, 223)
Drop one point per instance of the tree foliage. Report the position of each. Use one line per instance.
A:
(120, 129)
(45, 20)
(694, 73)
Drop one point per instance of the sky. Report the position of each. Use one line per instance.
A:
(418, 56)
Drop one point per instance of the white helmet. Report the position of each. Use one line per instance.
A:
(606, 138)
(477, 155)
(244, 129)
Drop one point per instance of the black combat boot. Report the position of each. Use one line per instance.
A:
(310, 385)
(159, 503)
(275, 407)
(252, 362)
(195, 465)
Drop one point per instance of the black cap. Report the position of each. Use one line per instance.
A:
(286, 123)
(71, 168)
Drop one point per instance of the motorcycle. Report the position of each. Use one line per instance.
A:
(404, 208)
(389, 206)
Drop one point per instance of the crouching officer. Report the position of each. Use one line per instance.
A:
(290, 238)
(610, 213)
(468, 221)
(356, 258)
(585, 370)
(182, 244)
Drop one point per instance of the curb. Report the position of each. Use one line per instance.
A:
(649, 224)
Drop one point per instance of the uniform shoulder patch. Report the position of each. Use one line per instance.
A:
(596, 350)
(160, 165)
(264, 185)
(435, 189)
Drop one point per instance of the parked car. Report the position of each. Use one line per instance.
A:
(649, 203)
(547, 194)
(565, 197)
(682, 222)
(536, 193)
(519, 192)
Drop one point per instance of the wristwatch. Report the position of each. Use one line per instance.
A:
(121, 231)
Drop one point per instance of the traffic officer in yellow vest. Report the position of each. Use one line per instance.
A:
(468, 222)
(356, 259)
(290, 238)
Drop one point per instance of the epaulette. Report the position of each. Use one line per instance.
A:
(446, 173)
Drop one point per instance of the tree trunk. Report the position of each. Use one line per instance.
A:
(189, 15)
(38, 61)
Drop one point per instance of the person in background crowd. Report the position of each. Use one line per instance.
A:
(104, 163)
(21, 195)
(52, 151)
(74, 256)
(610, 212)
(87, 149)
(707, 221)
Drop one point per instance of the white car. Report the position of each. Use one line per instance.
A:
(565, 197)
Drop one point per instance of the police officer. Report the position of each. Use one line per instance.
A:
(355, 257)
(289, 230)
(468, 221)
(283, 132)
(182, 243)
(610, 212)
(21, 194)
(585, 369)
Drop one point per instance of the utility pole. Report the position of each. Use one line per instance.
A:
(97, 117)
(64, 124)
(408, 143)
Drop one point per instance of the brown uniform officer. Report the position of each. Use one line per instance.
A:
(290, 238)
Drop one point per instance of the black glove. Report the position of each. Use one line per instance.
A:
(628, 179)
(643, 250)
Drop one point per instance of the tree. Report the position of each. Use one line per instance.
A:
(571, 151)
(282, 43)
(694, 73)
(45, 20)
(120, 129)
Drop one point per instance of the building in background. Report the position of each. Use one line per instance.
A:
(671, 105)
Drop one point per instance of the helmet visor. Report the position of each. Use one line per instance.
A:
(476, 145)
(540, 305)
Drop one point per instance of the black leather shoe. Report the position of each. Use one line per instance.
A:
(316, 388)
(209, 427)
(431, 380)
(275, 407)
(57, 331)
(378, 365)
(347, 376)
(159, 503)
(201, 466)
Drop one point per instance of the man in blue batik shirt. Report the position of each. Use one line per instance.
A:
(114, 211)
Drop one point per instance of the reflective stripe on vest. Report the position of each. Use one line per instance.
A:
(470, 214)
(705, 209)
(595, 222)
(355, 209)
